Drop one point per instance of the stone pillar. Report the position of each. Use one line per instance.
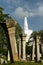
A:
(13, 43)
(37, 48)
(20, 49)
(33, 52)
(24, 46)
(42, 50)
(8, 55)
(11, 31)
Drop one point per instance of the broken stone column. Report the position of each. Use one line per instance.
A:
(37, 49)
(24, 46)
(11, 31)
(8, 55)
(20, 49)
(2, 60)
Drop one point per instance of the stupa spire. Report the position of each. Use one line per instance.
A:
(25, 24)
(27, 31)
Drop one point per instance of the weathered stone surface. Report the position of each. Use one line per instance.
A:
(20, 49)
(33, 52)
(24, 46)
(37, 48)
(23, 37)
(38, 39)
(10, 23)
(11, 32)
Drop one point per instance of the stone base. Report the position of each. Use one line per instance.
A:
(32, 61)
(23, 60)
(16, 57)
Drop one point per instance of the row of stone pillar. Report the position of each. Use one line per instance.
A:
(36, 50)
(14, 47)
(11, 32)
(22, 47)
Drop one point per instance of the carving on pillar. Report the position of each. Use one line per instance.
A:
(38, 40)
(23, 37)
(10, 23)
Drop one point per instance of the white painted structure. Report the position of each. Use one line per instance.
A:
(27, 31)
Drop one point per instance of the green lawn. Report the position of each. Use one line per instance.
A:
(23, 63)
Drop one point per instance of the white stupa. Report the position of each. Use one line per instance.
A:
(27, 31)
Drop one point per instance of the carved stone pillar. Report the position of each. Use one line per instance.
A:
(20, 49)
(11, 31)
(24, 46)
(37, 48)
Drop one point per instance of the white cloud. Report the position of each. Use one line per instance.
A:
(38, 11)
(20, 12)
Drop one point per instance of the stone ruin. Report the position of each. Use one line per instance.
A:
(11, 24)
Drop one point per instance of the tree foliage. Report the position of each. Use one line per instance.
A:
(3, 41)
(3, 16)
(41, 35)
(18, 30)
(35, 33)
(3, 38)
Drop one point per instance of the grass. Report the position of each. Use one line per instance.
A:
(23, 63)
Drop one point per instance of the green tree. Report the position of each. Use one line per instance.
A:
(3, 38)
(18, 32)
(34, 34)
(3, 16)
(3, 41)
(41, 35)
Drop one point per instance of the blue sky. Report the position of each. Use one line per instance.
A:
(33, 9)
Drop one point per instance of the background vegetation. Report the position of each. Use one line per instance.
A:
(3, 38)
(23, 63)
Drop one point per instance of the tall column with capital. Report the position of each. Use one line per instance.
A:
(24, 46)
(11, 31)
